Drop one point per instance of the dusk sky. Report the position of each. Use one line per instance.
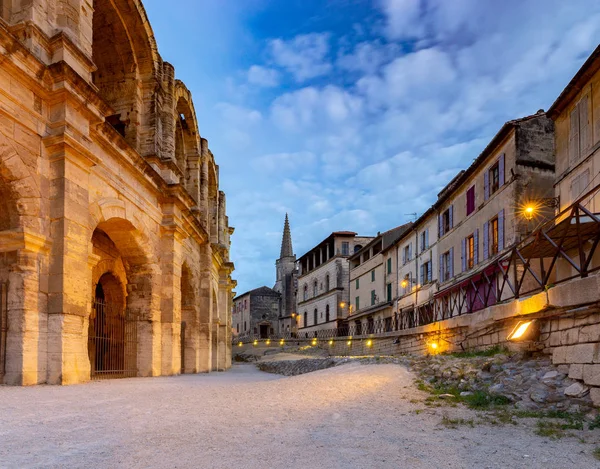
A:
(353, 114)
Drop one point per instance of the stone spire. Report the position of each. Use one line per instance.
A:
(286, 242)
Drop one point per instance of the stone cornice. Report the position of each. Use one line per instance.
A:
(13, 240)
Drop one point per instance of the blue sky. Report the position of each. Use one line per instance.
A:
(351, 114)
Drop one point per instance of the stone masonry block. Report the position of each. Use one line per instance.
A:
(559, 355)
(590, 333)
(582, 353)
(595, 396)
(576, 371)
(570, 336)
(591, 374)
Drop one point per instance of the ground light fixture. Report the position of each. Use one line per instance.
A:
(240, 344)
(331, 342)
(268, 342)
(255, 343)
(519, 330)
(349, 343)
(281, 342)
(369, 343)
(314, 342)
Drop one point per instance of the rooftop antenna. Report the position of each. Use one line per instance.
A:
(413, 215)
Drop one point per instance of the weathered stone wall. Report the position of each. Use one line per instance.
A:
(92, 182)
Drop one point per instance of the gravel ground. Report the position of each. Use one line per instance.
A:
(351, 416)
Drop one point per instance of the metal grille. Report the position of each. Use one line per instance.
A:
(112, 343)
(3, 324)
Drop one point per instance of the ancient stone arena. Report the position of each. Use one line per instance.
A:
(352, 416)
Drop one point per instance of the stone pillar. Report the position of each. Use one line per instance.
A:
(222, 222)
(193, 183)
(69, 292)
(27, 322)
(167, 113)
(170, 305)
(204, 184)
(205, 310)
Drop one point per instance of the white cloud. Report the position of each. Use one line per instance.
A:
(290, 163)
(305, 56)
(263, 76)
(403, 18)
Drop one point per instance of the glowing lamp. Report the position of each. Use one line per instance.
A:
(349, 342)
(342, 305)
(240, 344)
(433, 345)
(404, 283)
(255, 343)
(268, 342)
(369, 343)
(529, 212)
(331, 342)
(314, 341)
(281, 342)
(519, 331)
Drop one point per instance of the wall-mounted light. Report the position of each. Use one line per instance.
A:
(369, 343)
(255, 343)
(520, 330)
(331, 342)
(349, 343)
(240, 344)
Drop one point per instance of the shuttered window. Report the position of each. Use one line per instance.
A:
(470, 200)
(579, 131)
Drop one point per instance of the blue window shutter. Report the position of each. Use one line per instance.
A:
(463, 246)
(501, 170)
(440, 227)
(429, 277)
(451, 213)
(476, 242)
(422, 276)
(410, 256)
(403, 256)
(427, 238)
(501, 230)
(451, 262)
(441, 268)
(486, 185)
(486, 231)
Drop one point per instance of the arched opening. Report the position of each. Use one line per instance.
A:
(315, 289)
(117, 74)
(315, 317)
(116, 308)
(327, 283)
(106, 346)
(327, 313)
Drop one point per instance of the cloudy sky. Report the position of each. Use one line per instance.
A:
(353, 114)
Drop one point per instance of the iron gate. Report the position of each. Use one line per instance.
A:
(112, 342)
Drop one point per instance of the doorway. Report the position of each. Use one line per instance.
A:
(264, 331)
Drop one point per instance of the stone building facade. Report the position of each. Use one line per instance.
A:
(256, 314)
(112, 224)
(373, 283)
(323, 278)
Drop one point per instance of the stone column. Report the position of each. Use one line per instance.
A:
(204, 184)
(222, 222)
(193, 183)
(27, 322)
(69, 292)
(205, 332)
(167, 113)
(170, 305)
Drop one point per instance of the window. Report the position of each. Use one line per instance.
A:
(446, 265)
(406, 254)
(345, 248)
(579, 134)
(389, 292)
(245, 328)
(470, 252)
(315, 289)
(357, 283)
(389, 266)
(579, 185)
(424, 238)
(305, 318)
(357, 248)
(315, 317)
(426, 274)
(327, 282)
(305, 292)
(470, 200)
(494, 178)
(493, 236)
(238, 328)
(373, 297)
(357, 303)
(372, 276)
(327, 313)
(446, 221)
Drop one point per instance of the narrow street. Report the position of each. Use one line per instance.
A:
(352, 416)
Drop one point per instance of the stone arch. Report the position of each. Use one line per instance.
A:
(124, 51)
(123, 266)
(20, 197)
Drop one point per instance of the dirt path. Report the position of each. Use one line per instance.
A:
(352, 416)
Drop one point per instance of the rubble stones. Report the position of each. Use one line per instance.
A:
(577, 390)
